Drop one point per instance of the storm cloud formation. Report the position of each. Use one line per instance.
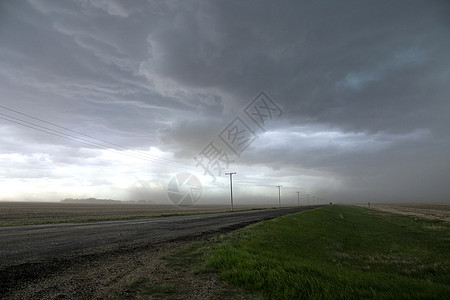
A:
(363, 85)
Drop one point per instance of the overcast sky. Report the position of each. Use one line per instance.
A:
(359, 91)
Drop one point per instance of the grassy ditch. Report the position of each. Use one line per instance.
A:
(332, 252)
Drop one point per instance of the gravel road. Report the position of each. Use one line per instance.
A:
(27, 252)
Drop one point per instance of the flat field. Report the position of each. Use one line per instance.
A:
(428, 211)
(34, 213)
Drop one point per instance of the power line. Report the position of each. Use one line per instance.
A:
(90, 143)
(91, 137)
(279, 195)
(231, 187)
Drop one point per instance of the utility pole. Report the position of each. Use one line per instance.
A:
(279, 195)
(307, 196)
(298, 198)
(231, 187)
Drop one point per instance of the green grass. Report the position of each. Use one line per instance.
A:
(337, 252)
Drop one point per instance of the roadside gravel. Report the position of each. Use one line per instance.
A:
(139, 274)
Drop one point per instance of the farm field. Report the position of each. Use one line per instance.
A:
(428, 211)
(34, 213)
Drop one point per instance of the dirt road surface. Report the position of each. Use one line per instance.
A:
(31, 255)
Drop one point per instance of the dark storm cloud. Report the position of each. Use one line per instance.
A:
(187, 138)
(363, 84)
(357, 64)
(72, 54)
(370, 68)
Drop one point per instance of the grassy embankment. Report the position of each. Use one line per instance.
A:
(332, 252)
